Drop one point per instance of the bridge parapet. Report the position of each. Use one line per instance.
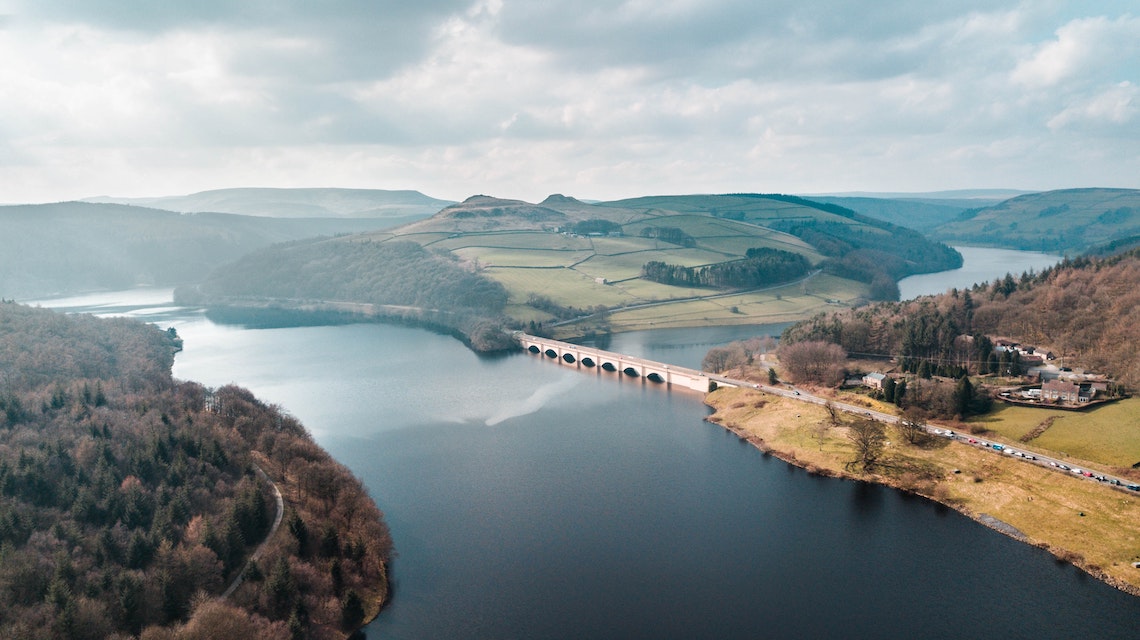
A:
(568, 354)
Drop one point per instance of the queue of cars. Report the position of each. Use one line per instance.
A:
(948, 433)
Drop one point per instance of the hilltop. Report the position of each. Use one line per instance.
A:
(295, 203)
(1067, 220)
(575, 267)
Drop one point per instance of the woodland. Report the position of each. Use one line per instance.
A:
(418, 284)
(1081, 310)
(761, 268)
(129, 501)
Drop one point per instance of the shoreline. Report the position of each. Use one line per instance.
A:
(722, 417)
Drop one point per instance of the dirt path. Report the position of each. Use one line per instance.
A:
(269, 536)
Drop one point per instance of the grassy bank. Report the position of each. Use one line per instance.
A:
(1092, 526)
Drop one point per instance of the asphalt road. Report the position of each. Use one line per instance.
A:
(1059, 465)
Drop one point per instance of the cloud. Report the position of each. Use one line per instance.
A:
(1115, 108)
(604, 98)
(1084, 49)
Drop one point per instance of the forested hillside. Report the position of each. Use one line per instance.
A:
(76, 246)
(918, 213)
(1083, 310)
(129, 501)
(1054, 221)
(401, 279)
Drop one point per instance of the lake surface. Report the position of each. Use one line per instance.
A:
(533, 500)
(979, 264)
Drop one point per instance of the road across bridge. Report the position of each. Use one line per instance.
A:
(579, 356)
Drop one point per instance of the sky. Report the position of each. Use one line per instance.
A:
(597, 99)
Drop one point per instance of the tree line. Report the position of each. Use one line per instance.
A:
(672, 235)
(762, 267)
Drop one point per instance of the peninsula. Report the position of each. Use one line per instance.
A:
(129, 501)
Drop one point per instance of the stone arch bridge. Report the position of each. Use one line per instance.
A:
(573, 355)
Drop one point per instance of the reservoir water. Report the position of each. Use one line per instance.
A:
(531, 500)
(979, 265)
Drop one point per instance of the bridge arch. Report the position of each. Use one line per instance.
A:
(533, 348)
(551, 353)
(568, 358)
(587, 361)
(631, 372)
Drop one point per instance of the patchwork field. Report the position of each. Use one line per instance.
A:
(583, 256)
(779, 304)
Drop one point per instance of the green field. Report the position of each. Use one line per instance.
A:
(1108, 434)
(522, 257)
(564, 286)
(621, 267)
(530, 240)
(627, 244)
(781, 304)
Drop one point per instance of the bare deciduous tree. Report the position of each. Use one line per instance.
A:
(814, 361)
(912, 426)
(869, 438)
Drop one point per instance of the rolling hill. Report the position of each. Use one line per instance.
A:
(920, 214)
(79, 246)
(1067, 220)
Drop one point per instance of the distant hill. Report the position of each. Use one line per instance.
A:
(295, 203)
(920, 214)
(77, 246)
(994, 195)
(1067, 220)
(486, 213)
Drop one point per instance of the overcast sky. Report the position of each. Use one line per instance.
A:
(593, 98)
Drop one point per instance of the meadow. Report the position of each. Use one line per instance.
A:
(1108, 434)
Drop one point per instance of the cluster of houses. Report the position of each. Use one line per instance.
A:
(1058, 391)
(1059, 386)
(1027, 355)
